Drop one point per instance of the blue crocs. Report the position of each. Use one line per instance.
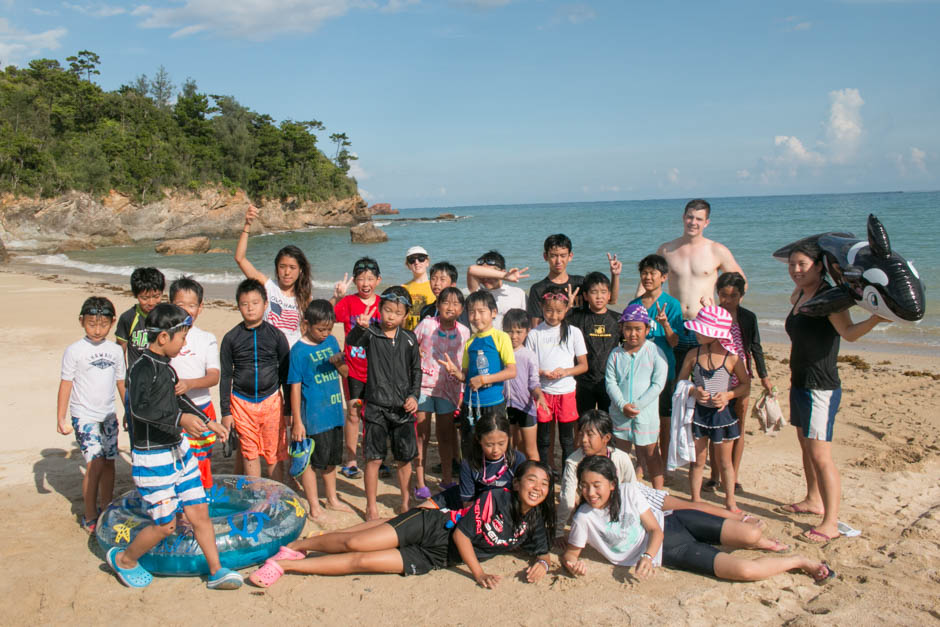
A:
(300, 456)
(136, 577)
(225, 579)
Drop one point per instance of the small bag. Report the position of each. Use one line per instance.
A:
(768, 413)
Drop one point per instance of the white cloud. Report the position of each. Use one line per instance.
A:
(251, 19)
(356, 171)
(484, 4)
(577, 13)
(95, 9)
(366, 195)
(394, 6)
(802, 26)
(743, 174)
(17, 45)
(914, 164)
(673, 176)
(791, 152)
(610, 188)
(43, 12)
(918, 158)
(844, 130)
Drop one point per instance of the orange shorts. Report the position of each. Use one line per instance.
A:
(261, 428)
(562, 407)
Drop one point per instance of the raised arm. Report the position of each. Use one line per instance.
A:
(241, 249)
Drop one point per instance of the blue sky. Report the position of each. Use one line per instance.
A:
(461, 102)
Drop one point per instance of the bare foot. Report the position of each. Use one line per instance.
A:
(803, 507)
(819, 571)
(338, 506)
(372, 514)
(732, 507)
(772, 545)
(316, 515)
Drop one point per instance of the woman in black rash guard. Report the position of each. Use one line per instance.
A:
(815, 388)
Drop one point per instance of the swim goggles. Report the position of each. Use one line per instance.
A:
(362, 266)
(489, 261)
(98, 311)
(555, 296)
(188, 322)
(401, 299)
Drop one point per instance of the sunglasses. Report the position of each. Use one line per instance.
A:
(99, 311)
(397, 298)
(188, 322)
(555, 296)
(416, 259)
(483, 261)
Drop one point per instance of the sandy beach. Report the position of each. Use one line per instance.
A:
(887, 447)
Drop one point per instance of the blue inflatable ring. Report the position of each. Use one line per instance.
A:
(252, 517)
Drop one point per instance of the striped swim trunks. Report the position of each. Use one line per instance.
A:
(168, 480)
(202, 447)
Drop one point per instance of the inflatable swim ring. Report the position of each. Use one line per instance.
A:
(253, 518)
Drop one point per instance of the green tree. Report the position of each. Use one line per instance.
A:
(85, 62)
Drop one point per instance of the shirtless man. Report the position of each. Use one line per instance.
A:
(694, 265)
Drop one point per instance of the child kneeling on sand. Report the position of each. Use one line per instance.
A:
(165, 471)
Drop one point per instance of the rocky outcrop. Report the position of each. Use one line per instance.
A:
(186, 246)
(80, 220)
(382, 209)
(367, 233)
(4, 257)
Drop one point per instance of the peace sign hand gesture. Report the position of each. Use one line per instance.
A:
(572, 295)
(515, 274)
(449, 366)
(341, 287)
(661, 316)
(615, 264)
(365, 317)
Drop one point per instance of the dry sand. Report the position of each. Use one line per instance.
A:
(886, 447)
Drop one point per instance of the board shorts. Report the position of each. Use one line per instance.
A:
(435, 404)
(519, 418)
(262, 431)
(561, 407)
(167, 480)
(423, 540)
(814, 411)
(383, 423)
(202, 447)
(97, 439)
(665, 399)
(327, 448)
(592, 396)
(689, 539)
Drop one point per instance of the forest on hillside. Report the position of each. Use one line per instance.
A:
(59, 131)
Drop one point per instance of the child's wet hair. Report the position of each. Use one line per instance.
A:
(250, 285)
(186, 284)
(481, 296)
(318, 311)
(516, 318)
(147, 280)
(653, 262)
(97, 306)
(602, 465)
(492, 258)
(397, 294)
(592, 279)
(596, 419)
(366, 264)
(546, 509)
(731, 279)
(451, 292)
(489, 424)
(165, 317)
(447, 268)
(558, 240)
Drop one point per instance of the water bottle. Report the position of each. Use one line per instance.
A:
(483, 365)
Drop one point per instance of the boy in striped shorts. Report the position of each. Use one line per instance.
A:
(165, 471)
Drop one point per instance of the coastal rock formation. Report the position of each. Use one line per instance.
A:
(3, 253)
(382, 209)
(367, 233)
(185, 246)
(80, 220)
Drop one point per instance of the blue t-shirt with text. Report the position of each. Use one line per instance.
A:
(322, 396)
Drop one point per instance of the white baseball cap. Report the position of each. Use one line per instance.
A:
(416, 250)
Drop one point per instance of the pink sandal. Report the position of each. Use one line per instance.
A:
(286, 553)
(267, 575)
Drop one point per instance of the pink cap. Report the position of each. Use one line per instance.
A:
(714, 321)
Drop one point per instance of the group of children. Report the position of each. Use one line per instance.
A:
(499, 371)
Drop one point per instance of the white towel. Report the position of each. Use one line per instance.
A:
(681, 443)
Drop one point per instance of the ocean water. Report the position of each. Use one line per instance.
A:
(752, 227)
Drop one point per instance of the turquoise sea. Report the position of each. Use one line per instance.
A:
(752, 227)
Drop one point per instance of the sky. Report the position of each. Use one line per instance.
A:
(465, 102)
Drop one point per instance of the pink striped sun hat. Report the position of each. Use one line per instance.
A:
(714, 321)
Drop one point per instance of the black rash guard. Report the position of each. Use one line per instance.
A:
(814, 350)
(394, 365)
(254, 363)
(154, 409)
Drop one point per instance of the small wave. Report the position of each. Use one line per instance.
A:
(383, 223)
(214, 278)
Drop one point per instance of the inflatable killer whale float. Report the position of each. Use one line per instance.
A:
(866, 273)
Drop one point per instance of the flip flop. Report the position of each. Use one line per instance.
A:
(286, 553)
(710, 486)
(814, 536)
(350, 472)
(225, 579)
(422, 494)
(89, 525)
(136, 577)
(830, 574)
(299, 453)
(267, 575)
